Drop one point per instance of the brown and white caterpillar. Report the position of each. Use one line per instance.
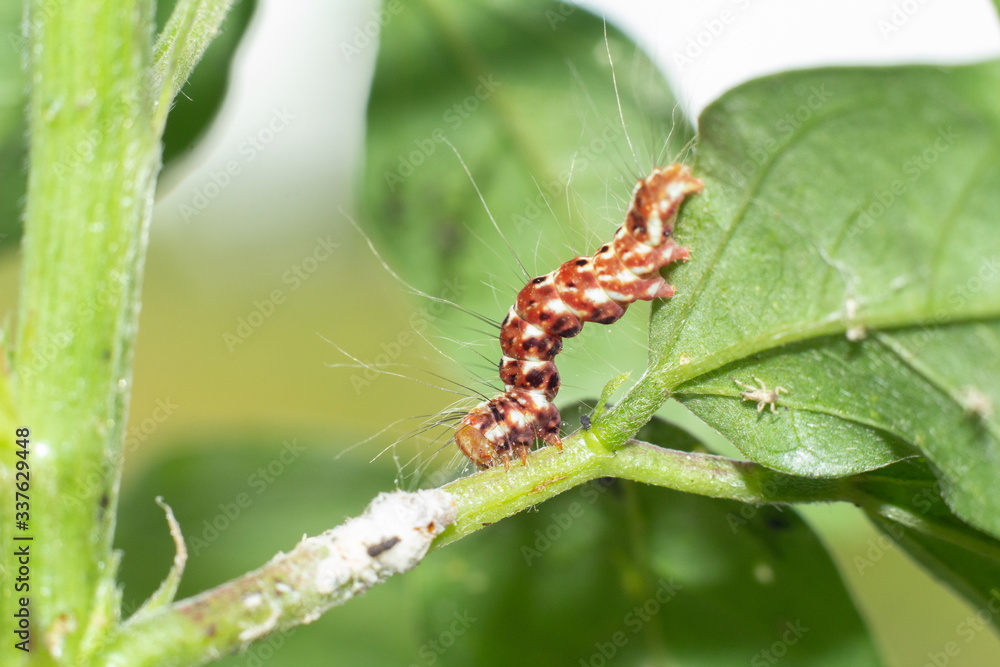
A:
(556, 306)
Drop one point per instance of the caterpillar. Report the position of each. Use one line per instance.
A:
(556, 306)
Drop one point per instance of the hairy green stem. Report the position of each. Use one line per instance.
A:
(92, 166)
(495, 494)
(718, 476)
(95, 116)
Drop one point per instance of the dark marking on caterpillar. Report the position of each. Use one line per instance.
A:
(558, 304)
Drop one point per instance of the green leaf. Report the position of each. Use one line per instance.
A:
(201, 97)
(811, 432)
(621, 573)
(903, 500)
(974, 576)
(525, 94)
(845, 248)
(609, 390)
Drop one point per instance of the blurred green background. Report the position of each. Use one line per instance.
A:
(237, 395)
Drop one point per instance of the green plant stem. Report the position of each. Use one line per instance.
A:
(495, 494)
(92, 167)
(95, 116)
(718, 476)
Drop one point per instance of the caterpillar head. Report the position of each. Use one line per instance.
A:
(471, 439)
(506, 426)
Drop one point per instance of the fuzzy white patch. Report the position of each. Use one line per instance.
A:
(975, 402)
(763, 573)
(397, 527)
(252, 600)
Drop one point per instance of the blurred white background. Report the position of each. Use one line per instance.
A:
(704, 48)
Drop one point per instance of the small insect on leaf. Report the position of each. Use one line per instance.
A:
(763, 396)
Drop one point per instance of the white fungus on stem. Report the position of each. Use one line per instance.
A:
(391, 536)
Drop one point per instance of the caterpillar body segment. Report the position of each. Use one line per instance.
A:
(557, 305)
